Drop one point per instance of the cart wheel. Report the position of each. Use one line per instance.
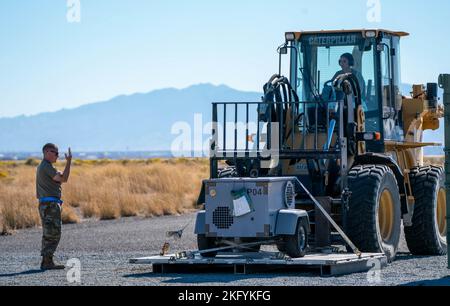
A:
(205, 243)
(295, 245)
(281, 246)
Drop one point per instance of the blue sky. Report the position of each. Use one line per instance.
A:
(123, 47)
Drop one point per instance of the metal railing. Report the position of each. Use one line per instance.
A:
(292, 118)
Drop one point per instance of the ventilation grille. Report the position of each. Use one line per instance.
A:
(289, 195)
(222, 217)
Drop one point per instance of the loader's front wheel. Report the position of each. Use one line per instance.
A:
(427, 235)
(374, 212)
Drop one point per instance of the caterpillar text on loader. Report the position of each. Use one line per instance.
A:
(327, 157)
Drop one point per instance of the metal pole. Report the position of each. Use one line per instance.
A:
(215, 142)
(444, 83)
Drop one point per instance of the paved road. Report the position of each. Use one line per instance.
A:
(104, 248)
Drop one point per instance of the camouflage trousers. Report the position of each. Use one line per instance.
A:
(51, 226)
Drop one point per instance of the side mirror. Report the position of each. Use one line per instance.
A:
(283, 50)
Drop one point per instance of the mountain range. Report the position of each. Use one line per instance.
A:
(138, 122)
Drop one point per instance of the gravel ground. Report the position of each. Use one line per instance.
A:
(104, 248)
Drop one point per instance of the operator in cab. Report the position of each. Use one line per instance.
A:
(347, 61)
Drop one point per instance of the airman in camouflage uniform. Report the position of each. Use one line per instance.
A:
(48, 191)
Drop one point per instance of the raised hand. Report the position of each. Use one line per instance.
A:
(68, 155)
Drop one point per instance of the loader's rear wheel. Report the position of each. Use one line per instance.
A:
(295, 245)
(206, 243)
(427, 235)
(374, 215)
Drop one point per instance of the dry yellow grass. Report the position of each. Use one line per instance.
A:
(104, 189)
(434, 160)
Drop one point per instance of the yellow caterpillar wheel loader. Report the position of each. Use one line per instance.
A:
(341, 127)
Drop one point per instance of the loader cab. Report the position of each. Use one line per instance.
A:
(314, 62)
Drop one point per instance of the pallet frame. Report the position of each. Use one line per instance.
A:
(245, 263)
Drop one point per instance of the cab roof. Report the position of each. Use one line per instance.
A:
(363, 31)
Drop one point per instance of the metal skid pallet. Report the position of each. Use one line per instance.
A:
(244, 263)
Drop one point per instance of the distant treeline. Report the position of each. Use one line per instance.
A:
(431, 151)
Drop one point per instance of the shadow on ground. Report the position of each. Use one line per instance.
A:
(28, 272)
(208, 277)
(445, 281)
(224, 275)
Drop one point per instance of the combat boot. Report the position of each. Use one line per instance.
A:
(48, 264)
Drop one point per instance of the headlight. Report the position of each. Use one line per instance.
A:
(290, 36)
(371, 34)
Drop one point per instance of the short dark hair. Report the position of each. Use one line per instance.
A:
(350, 58)
(49, 146)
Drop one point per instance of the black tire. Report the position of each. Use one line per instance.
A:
(205, 243)
(281, 246)
(424, 236)
(366, 228)
(296, 245)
